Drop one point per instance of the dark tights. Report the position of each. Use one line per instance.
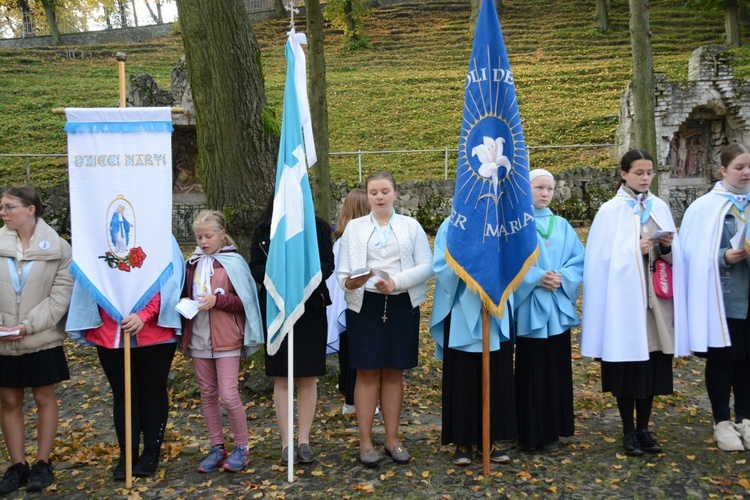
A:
(722, 377)
(642, 410)
(150, 400)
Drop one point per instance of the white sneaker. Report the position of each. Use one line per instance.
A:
(744, 429)
(727, 437)
(348, 410)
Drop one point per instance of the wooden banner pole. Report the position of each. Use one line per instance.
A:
(485, 392)
(121, 58)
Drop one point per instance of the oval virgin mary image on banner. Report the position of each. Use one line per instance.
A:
(121, 228)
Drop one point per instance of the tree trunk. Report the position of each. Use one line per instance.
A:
(157, 19)
(732, 24)
(49, 11)
(475, 5)
(602, 16)
(135, 14)
(278, 6)
(158, 12)
(643, 81)
(351, 25)
(319, 110)
(237, 152)
(123, 13)
(27, 19)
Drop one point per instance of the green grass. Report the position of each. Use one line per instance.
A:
(405, 91)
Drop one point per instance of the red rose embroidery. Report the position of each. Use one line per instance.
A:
(137, 256)
(123, 266)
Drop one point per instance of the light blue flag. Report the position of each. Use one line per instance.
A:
(293, 266)
(491, 240)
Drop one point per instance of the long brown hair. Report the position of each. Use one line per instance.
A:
(355, 205)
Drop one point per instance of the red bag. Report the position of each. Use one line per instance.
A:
(663, 279)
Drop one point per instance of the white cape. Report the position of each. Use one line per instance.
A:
(701, 235)
(615, 295)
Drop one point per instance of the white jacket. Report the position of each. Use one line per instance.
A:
(414, 252)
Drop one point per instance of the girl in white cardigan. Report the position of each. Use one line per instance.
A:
(384, 262)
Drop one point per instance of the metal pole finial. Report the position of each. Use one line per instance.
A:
(290, 5)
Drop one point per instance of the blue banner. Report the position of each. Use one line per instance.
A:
(491, 240)
(293, 265)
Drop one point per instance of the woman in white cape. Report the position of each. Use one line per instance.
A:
(718, 285)
(626, 325)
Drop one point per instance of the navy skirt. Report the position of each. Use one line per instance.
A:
(384, 333)
(36, 369)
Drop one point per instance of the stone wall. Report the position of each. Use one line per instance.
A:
(579, 194)
(694, 120)
(120, 35)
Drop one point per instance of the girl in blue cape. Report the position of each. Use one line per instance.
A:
(456, 325)
(545, 312)
(718, 291)
(226, 327)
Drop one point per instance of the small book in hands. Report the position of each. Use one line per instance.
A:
(187, 307)
(364, 271)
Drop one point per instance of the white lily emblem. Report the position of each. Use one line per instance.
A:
(490, 153)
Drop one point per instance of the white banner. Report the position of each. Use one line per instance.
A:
(120, 171)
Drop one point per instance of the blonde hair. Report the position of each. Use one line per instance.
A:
(215, 219)
(355, 205)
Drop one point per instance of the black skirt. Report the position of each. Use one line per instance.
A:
(375, 343)
(36, 369)
(544, 389)
(739, 335)
(310, 337)
(638, 379)
(462, 395)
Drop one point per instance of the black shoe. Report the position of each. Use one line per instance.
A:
(16, 476)
(631, 445)
(118, 473)
(42, 475)
(497, 453)
(305, 454)
(462, 455)
(648, 443)
(148, 462)
(525, 447)
(549, 447)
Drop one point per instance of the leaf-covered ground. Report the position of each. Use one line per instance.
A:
(589, 465)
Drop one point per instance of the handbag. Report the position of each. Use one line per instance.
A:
(662, 279)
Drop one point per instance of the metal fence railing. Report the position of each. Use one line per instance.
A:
(183, 215)
(434, 163)
(30, 25)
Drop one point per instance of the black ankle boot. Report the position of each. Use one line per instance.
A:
(118, 473)
(16, 476)
(148, 462)
(42, 475)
